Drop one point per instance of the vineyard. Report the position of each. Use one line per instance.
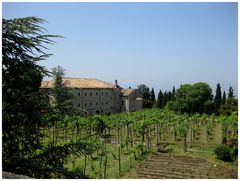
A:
(114, 144)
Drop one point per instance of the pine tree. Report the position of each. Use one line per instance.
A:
(223, 98)
(217, 99)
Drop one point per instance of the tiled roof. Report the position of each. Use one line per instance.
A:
(79, 83)
(127, 92)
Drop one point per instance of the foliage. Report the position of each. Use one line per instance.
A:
(98, 125)
(145, 91)
(164, 98)
(192, 98)
(159, 99)
(223, 152)
(223, 98)
(49, 163)
(61, 93)
(230, 106)
(23, 45)
(217, 99)
(230, 92)
(152, 96)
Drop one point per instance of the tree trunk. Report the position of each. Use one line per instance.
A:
(119, 156)
(185, 142)
(156, 133)
(105, 168)
(175, 133)
(85, 164)
(90, 129)
(142, 135)
(119, 160)
(100, 167)
(131, 137)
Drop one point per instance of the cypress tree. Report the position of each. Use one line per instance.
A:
(164, 99)
(152, 96)
(224, 98)
(173, 94)
(230, 92)
(169, 96)
(159, 99)
(217, 99)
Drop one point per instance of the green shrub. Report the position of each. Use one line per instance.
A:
(224, 153)
(170, 149)
(235, 153)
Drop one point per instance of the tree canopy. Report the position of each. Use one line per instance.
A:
(192, 98)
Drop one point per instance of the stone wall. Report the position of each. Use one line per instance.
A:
(96, 100)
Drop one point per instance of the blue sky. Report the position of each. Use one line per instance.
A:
(157, 44)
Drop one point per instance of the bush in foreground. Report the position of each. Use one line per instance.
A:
(224, 153)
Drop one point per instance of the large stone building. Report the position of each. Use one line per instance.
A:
(94, 96)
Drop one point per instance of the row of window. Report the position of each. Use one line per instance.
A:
(85, 104)
(79, 94)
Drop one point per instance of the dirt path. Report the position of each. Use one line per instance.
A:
(166, 166)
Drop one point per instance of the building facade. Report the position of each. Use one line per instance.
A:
(94, 96)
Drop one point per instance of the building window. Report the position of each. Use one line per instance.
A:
(106, 103)
(122, 103)
(90, 104)
(90, 94)
(85, 104)
(102, 93)
(106, 93)
(85, 94)
(102, 103)
(79, 94)
(78, 105)
(96, 93)
(96, 103)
